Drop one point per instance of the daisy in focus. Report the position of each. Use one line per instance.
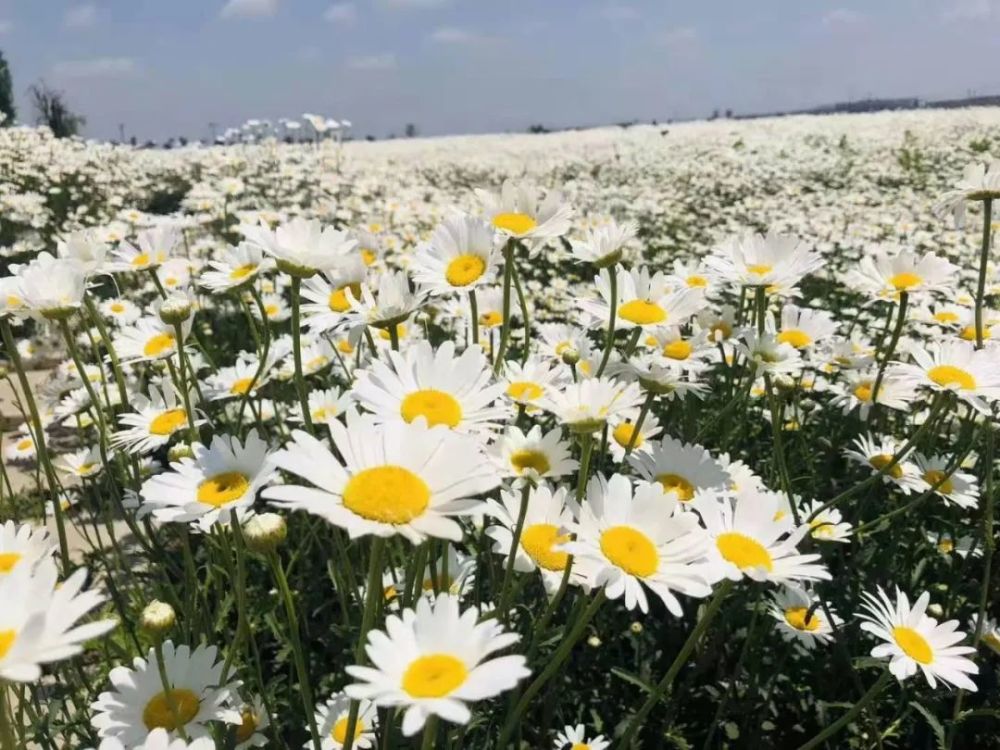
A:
(533, 456)
(800, 617)
(957, 367)
(915, 641)
(518, 211)
(434, 660)
(157, 417)
(575, 738)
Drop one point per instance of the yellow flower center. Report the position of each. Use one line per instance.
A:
(434, 676)
(969, 333)
(580, 746)
(905, 281)
(241, 386)
(528, 459)
(368, 256)
(465, 269)
(241, 272)
(697, 281)
(948, 376)
(8, 560)
(760, 269)
(623, 435)
(117, 307)
(158, 714)
(339, 302)
(642, 312)
(345, 347)
(721, 330)
(630, 550)
(796, 617)
(946, 546)
(387, 494)
(491, 319)
(383, 333)
(158, 344)
(437, 407)
(515, 223)
(882, 460)
(24, 444)
(317, 363)
(271, 309)
(168, 422)
(6, 641)
(913, 644)
(248, 725)
(946, 316)
(796, 337)
(524, 390)
(677, 484)
(933, 476)
(539, 540)
(743, 552)
(222, 489)
(339, 732)
(86, 468)
(142, 259)
(679, 349)
(863, 391)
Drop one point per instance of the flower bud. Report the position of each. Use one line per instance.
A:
(178, 451)
(157, 618)
(265, 532)
(175, 309)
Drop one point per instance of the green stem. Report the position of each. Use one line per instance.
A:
(394, 336)
(372, 594)
(508, 276)
(185, 389)
(430, 733)
(896, 332)
(263, 354)
(525, 315)
(777, 434)
(553, 665)
(300, 383)
(636, 722)
(984, 257)
(39, 436)
(7, 741)
(609, 341)
(305, 688)
(846, 719)
(474, 310)
(168, 689)
(504, 604)
(634, 437)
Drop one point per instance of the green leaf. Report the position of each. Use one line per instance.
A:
(634, 679)
(933, 722)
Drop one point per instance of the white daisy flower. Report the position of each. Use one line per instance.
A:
(802, 327)
(575, 738)
(751, 539)
(120, 310)
(137, 704)
(857, 391)
(560, 339)
(434, 660)
(916, 641)
(624, 542)
(38, 619)
(453, 572)
(979, 182)
(219, 480)
(395, 478)
(20, 447)
(878, 455)
(323, 406)
(887, 270)
(602, 245)
(526, 384)
(665, 377)
(957, 366)
(332, 721)
(302, 247)
(681, 469)
(955, 487)
(800, 618)
(152, 247)
(84, 463)
(459, 257)
(148, 339)
(623, 434)
(52, 287)
(253, 720)
(22, 545)
(438, 386)
(829, 525)
(775, 260)
(586, 406)
(532, 456)
(236, 268)
(693, 275)
(547, 521)
(86, 247)
(156, 419)
(276, 308)
(643, 300)
(327, 296)
(389, 303)
(517, 211)
(769, 355)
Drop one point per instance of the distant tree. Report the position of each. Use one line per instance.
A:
(51, 110)
(6, 93)
(411, 130)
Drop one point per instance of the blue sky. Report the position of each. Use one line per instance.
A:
(169, 67)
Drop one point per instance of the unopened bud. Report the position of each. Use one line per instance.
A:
(265, 532)
(158, 617)
(175, 309)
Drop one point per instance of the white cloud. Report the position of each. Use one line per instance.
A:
(843, 18)
(618, 12)
(384, 61)
(969, 10)
(80, 16)
(100, 67)
(341, 13)
(453, 35)
(249, 8)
